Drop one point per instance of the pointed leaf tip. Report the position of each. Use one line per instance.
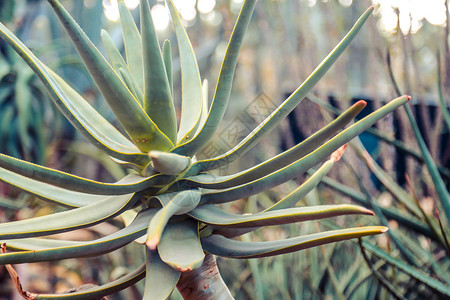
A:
(337, 155)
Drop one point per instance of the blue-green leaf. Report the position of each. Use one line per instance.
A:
(219, 245)
(158, 102)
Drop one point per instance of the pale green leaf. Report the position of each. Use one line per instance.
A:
(160, 278)
(219, 245)
(191, 106)
(180, 246)
(158, 102)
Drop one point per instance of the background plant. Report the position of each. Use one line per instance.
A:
(169, 185)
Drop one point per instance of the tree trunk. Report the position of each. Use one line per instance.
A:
(204, 283)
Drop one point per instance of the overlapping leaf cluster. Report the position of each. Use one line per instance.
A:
(170, 195)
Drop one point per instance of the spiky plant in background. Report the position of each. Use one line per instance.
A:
(168, 201)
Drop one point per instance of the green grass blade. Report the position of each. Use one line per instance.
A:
(129, 184)
(191, 108)
(77, 110)
(295, 98)
(39, 250)
(180, 246)
(160, 279)
(408, 221)
(389, 183)
(212, 215)
(219, 245)
(68, 220)
(139, 126)
(133, 44)
(409, 270)
(442, 103)
(291, 155)
(48, 192)
(224, 84)
(439, 184)
(158, 103)
(98, 292)
(298, 167)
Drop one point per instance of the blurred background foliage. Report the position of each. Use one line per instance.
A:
(405, 44)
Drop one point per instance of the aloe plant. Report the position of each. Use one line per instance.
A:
(169, 196)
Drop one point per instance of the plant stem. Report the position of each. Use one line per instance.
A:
(204, 283)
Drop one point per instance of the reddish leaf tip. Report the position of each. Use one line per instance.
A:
(152, 242)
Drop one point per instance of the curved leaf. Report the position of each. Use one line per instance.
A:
(408, 269)
(294, 153)
(158, 103)
(48, 192)
(212, 215)
(169, 163)
(133, 44)
(180, 246)
(224, 84)
(174, 204)
(68, 220)
(290, 103)
(167, 57)
(160, 279)
(143, 131)
(191, 108)
(77, 110)
(39, 250)
(301, 191)
(295, 168)
(219, 245)
(129, 184)
(98, 292)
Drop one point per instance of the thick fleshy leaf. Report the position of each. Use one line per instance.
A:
(298, 151)
(160, 278)
(224, 84)
(180, 246)
(291, 102)
(158, 103)
(296, 168)
(167, 57)
(77, 110)
(115, 58)
(48, 192)
(219, 245)
(191, 106)
(131, 84)
(38, 250)
(129, 184)
(169, 163)
(212, 215)
(139, 126)
(301, 191)
(174, 204)
(68, 220)
(120, 66)
(97, 292)
(133, 44)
